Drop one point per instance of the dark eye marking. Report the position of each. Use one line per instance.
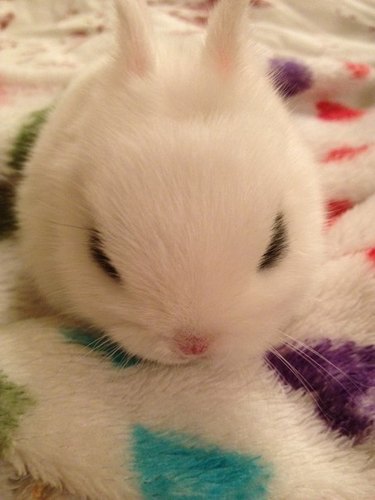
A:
(99, 256)
(277, 246)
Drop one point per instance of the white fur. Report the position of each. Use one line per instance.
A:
(181, 156)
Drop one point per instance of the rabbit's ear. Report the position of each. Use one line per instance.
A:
(226, 35)
(134, 37)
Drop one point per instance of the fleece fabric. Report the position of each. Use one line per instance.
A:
(79, 419)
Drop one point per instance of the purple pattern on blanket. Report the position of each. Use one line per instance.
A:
(290, 77)
(339, 375)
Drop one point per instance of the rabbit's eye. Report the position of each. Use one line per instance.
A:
(100, 257)
(277, 246)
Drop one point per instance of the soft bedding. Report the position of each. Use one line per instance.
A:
(80, 418)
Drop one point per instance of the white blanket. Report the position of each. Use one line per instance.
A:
(78, 424)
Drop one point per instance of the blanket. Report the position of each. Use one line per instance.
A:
(79, 418)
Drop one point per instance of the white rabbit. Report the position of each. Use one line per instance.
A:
(169, 201)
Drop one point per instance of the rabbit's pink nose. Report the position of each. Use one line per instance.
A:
(191, 345)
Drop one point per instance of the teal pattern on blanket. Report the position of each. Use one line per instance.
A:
(99, 342)
(172, 466)
(14, 402)
(25, 139)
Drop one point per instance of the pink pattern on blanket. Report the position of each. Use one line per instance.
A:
(358, 70)
(344, 153)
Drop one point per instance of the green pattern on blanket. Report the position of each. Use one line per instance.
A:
(26, 138)
(18, 154)
(14, 402)
(7, 216)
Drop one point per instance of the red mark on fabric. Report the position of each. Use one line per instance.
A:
(4, 94)
(344, 153)
(370, 254)
(336, 208)
(6, 20)
(79, 33)
(200, 20)
(334, 111)
(358, 70)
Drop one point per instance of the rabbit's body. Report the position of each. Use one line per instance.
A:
(169, 201)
